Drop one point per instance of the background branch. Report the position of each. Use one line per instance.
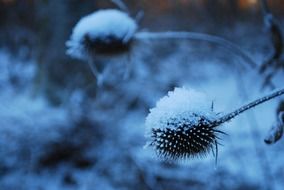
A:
(121, 5)
(198, 36)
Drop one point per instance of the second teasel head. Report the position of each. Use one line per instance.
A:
(104, 32)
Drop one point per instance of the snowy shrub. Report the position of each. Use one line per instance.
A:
(26, 126)
(104, 31)
(183, 124)
(14, 72)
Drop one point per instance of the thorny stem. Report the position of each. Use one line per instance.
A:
(244, 108)
(197, 36)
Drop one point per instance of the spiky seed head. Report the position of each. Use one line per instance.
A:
(184, 140)
(102, 32)
(181, 125)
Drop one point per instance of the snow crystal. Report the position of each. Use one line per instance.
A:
(179, 104)
(101, 25)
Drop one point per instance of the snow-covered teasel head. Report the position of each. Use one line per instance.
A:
(102, 32)
(181, 125)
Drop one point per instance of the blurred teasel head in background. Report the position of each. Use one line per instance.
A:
(106, 31)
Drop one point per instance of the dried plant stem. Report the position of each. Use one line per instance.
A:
(120, 4)
(93, 68)
(273, 28)
(264, 7)
(197, 36)
(96, 73)
(248, 106)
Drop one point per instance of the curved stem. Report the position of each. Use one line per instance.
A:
(121, 5)
(93, 68)
(273, 28)
(248, 106)
(197, 36)
(96, 73)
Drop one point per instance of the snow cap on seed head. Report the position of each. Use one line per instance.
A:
(180, 104)
(100, 25)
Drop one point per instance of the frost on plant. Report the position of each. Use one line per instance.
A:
(103, 31)
(183, 124)
(180, 126)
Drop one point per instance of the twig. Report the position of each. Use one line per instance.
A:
(121, 5)
(128, 66)
(276, 38)
(264, 7)
(248, 106)
(96, 73)
(139, 16)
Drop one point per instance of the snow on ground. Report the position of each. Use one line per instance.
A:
(27, 123)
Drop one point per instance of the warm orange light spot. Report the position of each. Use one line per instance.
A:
(244, 4)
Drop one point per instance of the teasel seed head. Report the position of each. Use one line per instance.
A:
(185, 140)
(183, 125)
(104, 32)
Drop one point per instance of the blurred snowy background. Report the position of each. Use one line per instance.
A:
(59, 131)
